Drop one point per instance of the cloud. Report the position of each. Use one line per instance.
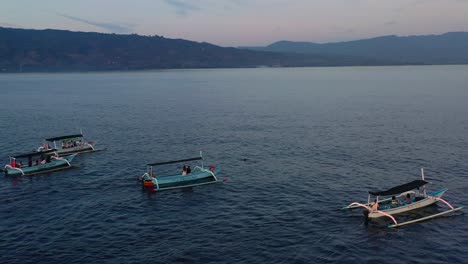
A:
(239, 2)
(111, 27)
(390, 23)
(182, 7)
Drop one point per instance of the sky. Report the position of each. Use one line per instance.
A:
(242, 22)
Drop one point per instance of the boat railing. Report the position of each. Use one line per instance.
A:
(13, 168)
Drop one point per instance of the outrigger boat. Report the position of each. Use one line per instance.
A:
(37, 162)
(198, 176)
(400, 199)
(70, 144)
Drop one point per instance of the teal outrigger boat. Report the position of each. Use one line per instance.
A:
(37, 162)
(196, 177)
(68, 145)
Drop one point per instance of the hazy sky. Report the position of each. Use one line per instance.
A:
(242, 22)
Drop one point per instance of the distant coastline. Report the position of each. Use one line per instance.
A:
(27, 50)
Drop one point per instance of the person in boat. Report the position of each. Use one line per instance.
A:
(184, 170)
(395, 202)
(189, 170)
(19, 164)
(13, 163)
(408, 198)
(375, 205)
(46, 146)
(36, 162)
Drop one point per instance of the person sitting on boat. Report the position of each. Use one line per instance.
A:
(189, 170)
(13, 163)
(184, 170)
(375, 205)
(395, 202)
(408, 198)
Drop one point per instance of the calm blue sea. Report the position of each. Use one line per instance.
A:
(294, 144)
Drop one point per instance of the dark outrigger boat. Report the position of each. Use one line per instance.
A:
(68, 145)
(37, 162)
(198, 176)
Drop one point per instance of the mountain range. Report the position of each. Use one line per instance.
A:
(49, 50)
(448, 48)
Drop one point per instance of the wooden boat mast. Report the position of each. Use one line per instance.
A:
(424, 187)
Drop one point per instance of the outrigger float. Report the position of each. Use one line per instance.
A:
(402, 198)
(70, 144)
(37, 162)
(198, 176)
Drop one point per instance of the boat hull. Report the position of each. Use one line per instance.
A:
(54, 165)
(201, 177)
(428, 200)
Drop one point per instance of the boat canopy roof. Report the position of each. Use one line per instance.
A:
(173, 161)
(64, 137)
(32, 154)
(400, 188)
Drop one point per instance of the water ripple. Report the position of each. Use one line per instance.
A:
(296, 145)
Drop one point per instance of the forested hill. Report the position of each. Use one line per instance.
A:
(25, 50)
(448, 48)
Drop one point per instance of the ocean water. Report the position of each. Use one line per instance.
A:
(294, 146)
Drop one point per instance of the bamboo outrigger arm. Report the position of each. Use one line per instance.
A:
(442, 200)
(374, 211)
(18, 169)
(60, 158)
(153, 179)
(425, 218)
(92, 147)
(452, 209)
(203, 169)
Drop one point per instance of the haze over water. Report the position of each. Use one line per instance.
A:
(296, 144)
